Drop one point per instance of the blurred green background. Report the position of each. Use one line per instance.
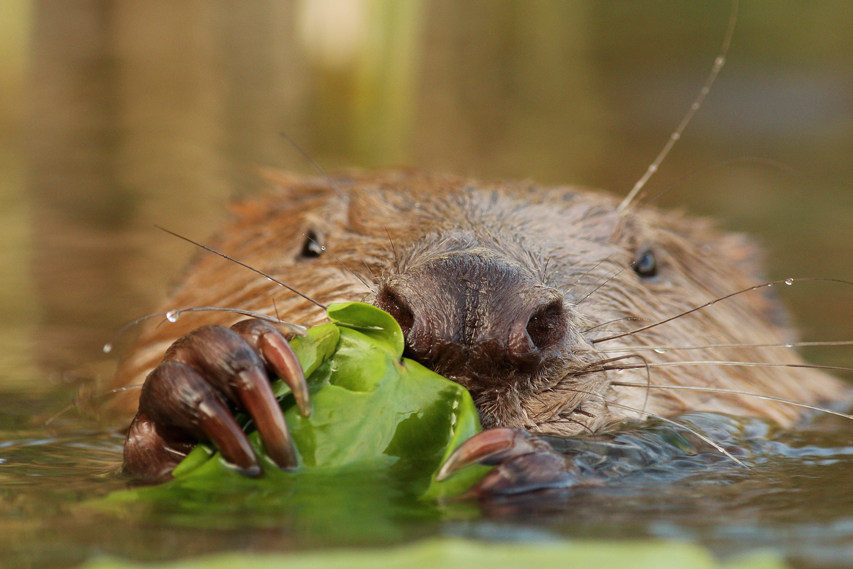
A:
(118, 115)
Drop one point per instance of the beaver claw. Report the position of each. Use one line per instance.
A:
(190, 396)
(524, 463)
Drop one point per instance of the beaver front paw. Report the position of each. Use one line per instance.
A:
(191, 395)
(524, 462)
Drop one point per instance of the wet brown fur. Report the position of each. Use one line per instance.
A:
(567, 239)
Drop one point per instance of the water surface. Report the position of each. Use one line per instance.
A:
(659, 482)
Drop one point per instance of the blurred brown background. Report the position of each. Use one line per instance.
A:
(118, 115)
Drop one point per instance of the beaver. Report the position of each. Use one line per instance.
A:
(561, 312)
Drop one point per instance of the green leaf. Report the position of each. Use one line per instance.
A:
(374, 413)
(370, 321)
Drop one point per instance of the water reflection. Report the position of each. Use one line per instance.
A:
(659, 482)
(157, 112)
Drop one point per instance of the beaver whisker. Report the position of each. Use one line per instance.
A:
(594, 367)
(369, 270)
(599, 366)
(344, 265)
(329, 180)
(79, 405)
(551, 411)
(685, 313)
(564, 418)
(743, 364)
(586, 273)
(395, 258)
(694, 106)
(644, 414)
(593, 291)
(645, 364)
(543, 273)
(242, 264)
(737, 392)
(626, 318)
(172, 315)
(663, 349)
(696, 433)
(788, 281)
(791, 402)
(787, 168)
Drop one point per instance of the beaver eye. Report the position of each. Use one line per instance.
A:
(645, 264)
(312, 247)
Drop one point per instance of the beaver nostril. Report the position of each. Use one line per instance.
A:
(391, 303)
(547, 326)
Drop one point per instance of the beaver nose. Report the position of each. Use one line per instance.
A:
(473, 314)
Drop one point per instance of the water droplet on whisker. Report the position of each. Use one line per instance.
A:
(108, 348)
(660, 350)
(789, 282)
(172, 315)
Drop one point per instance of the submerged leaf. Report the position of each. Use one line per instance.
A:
(470, 554)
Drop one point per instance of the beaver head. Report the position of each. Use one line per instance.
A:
(527, 296)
